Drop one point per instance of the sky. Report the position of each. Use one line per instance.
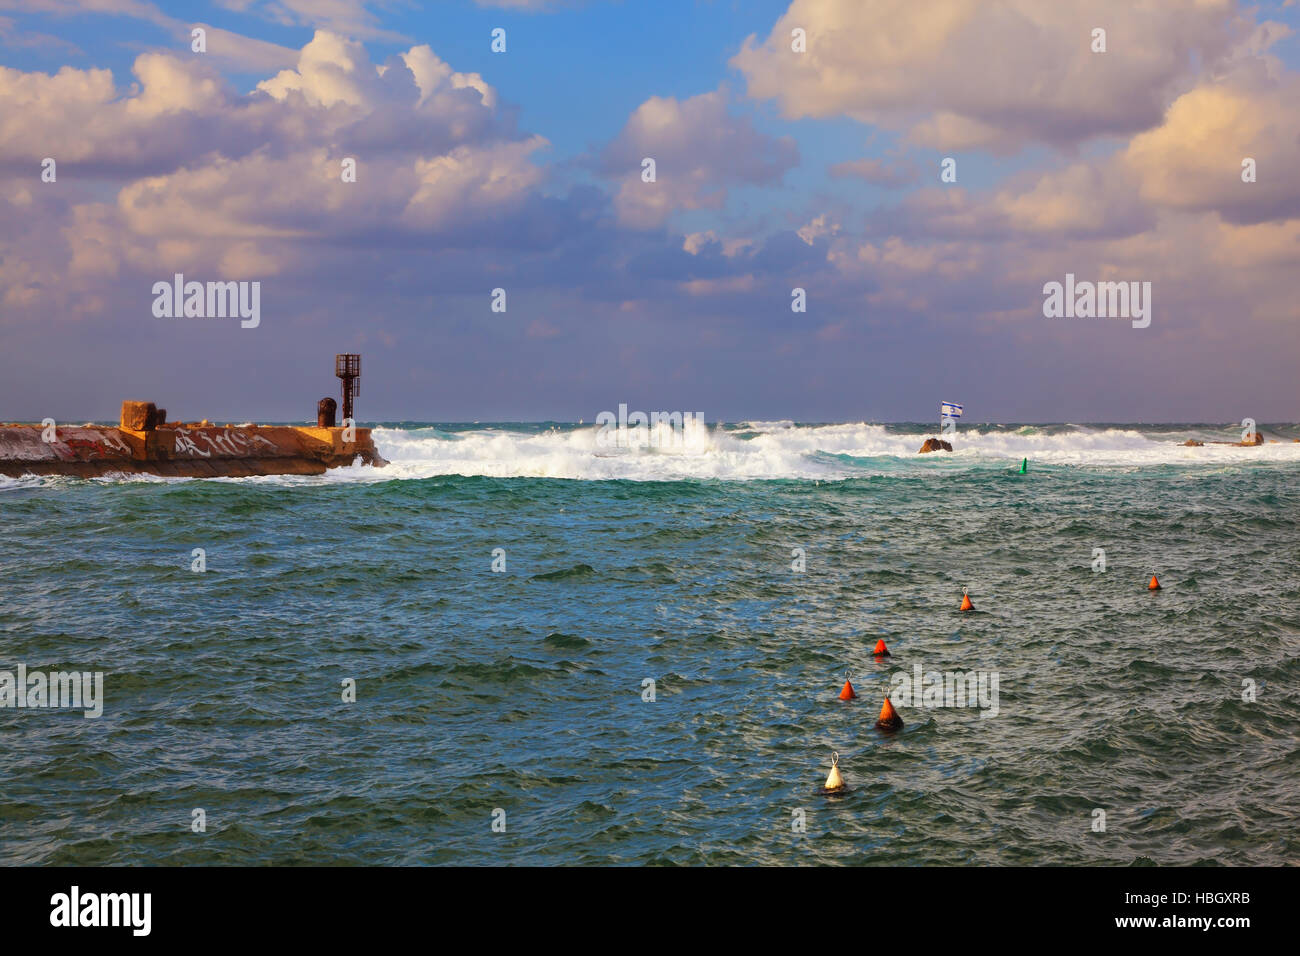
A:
(797, 145)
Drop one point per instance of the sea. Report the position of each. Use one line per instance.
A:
(537, 644)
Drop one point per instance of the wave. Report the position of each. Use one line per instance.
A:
(785, 450)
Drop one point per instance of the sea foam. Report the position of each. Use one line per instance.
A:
(781, 449)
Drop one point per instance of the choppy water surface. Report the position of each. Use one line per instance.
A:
(523, 690)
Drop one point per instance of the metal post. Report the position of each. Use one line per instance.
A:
(347, 366)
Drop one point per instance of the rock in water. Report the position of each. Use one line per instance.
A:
(934, 444)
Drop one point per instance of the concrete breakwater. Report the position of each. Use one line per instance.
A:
(143, 443)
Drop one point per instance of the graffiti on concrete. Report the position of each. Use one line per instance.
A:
(104, 444)
(225, 443)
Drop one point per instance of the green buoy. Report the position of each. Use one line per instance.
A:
(1024, 465)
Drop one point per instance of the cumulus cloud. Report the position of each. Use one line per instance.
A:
(80, 117)
(1194, 159)
(210, 179)
(331, 69)
(1081, 200)
(993, 74)
(699, 149)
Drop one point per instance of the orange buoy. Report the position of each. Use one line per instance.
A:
(847, 692)
(1154, 585)
(881, 650)
(833, 780)
(889, 719)
(965, 601)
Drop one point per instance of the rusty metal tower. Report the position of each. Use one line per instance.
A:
(347, 367)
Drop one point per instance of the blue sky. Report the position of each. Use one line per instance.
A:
(520, 170)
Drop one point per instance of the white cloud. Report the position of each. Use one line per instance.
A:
(993, 74)
(699, 149)
(212, 180)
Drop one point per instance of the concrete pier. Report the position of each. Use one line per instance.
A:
(179, 449)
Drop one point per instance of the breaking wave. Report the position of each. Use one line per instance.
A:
(783, 449)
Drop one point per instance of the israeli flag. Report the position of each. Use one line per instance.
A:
(949, 410)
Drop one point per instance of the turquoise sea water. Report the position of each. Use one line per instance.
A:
(522, 690)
